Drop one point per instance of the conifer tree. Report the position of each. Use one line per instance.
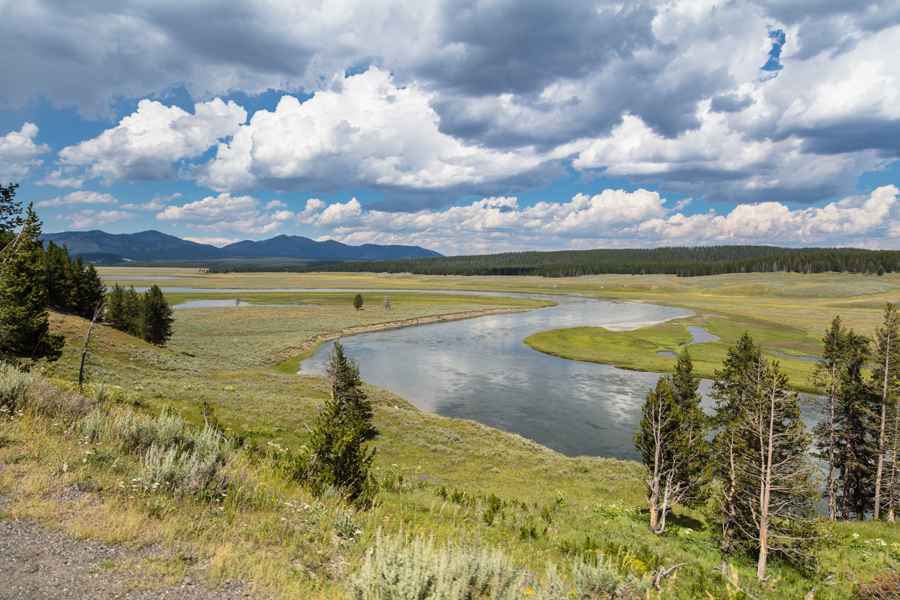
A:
(662, 440)
(157, 317)
(24, 324)
(91, 292)
(828, 375)
(339, 456)
(116, 314)
(358, 302)
(775, 499)
(886, 381)
(856, 429)
(685, 390)
(134, 312)
(10, 208)
(732, 387)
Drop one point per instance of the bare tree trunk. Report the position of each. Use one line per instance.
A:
(892, 500)
(884, 398)
(655, 478)
(765, 493)
(87, 340)
(830, 479)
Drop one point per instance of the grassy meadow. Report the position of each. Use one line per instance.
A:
(453, 480)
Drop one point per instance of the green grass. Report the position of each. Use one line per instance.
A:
(442, 471)
(640, 349)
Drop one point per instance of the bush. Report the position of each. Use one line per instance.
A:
(137, 433)
(192, 469)
(397, 567)
(13, 386)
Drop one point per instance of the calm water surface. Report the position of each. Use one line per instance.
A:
(480, 369)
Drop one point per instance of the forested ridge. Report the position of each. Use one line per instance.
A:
(681, 261)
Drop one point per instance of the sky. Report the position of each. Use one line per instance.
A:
(472, 126)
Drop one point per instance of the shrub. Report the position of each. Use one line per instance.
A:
(94, 425)
(194, 469)
(137, 433)
(398, 567)
(13, 386)
(45, 399)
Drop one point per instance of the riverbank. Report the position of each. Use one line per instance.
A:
(299, 354)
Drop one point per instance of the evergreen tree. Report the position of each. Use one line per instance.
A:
(91, 292)
(774, 505)
(116, 314)
(134, 313)
(662, 441)
(886, 381)
(10, 208)
(685, 390)
(828, 375)
(24, 325)
(856, 430)
(732, 387)
(157, 317)
(56, 260)
(343, 375)
(338, 455)
(358, 302)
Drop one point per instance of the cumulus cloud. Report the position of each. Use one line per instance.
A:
(89, 218)
(242, 214)
(364, 130)
(145, 144)
(79, 197)
(19, 153)
(613, 218)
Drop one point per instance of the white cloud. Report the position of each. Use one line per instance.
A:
(154, 204)
(363, 130)
(79, 197)
(19, 153)
(243, 214)
(67, 177)
(614, 218)
(145, 144)
(89, 218)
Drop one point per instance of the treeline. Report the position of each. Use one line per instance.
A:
(34, 279)
(146, 315)
(681, 261)
(752, 459)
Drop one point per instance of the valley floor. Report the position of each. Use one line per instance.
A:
(448, 479)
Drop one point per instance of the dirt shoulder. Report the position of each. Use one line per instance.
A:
(39, 563)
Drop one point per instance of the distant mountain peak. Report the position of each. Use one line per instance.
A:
(155, 246)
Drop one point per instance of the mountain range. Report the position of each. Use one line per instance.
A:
(154, 246)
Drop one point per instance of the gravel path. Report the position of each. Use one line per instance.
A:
(37, 563)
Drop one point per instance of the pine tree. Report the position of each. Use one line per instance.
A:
(685, 390)
(662, 441)
(358, 302)
(886, 381)
(24, 324)
(157, 315)
(828, 376)
(343, 375)
(856, 429)
(731, 389)
(134, 313)
(338, 456)
(91, 292)
(775, 500)
(10, 208)
(116, 308)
